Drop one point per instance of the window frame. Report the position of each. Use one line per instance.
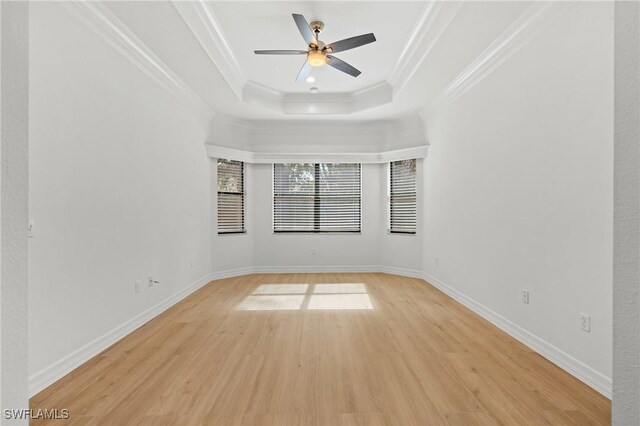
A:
(390, 231)
(316, 202)
(242, 194)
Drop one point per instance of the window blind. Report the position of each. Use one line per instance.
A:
(319, 197)
(403, 205)
(230, 196)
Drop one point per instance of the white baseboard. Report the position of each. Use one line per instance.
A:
(313, 269)
(47, 376)
(337, 268)
(401, 271)
(576, 368)
(230, 273)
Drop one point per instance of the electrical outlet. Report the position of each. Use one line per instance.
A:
(525, 297)
(437, 260)
(137, 286)
(585, 323)
(152, 281)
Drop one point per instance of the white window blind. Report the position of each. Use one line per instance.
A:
(403, 205)
(230, 196)
(318, 197)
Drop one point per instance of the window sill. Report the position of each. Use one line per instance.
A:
(390, 232)
(317, 232)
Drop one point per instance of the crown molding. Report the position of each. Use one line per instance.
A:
(349, 128)
(434, 19)
(216, 151)
(341, 141)
(297, 135)
(524, 29)
(105, 24)
(320, 103)
(202, 21)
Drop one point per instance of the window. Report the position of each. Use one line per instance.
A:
(316, 197)
(402, 200)
(230, 196)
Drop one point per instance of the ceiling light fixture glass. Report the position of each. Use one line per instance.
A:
(316, 58)
(314, 90)
(311, 79)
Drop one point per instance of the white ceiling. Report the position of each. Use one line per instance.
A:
(423, 51)
(269, 25)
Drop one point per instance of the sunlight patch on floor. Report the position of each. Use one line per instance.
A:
(340, 301)
(271, 303)
(282, 289)
(350, 288)
(326, 296)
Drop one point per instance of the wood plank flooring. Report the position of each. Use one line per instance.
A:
(411, 356)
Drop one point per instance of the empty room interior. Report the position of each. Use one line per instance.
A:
(322, 212)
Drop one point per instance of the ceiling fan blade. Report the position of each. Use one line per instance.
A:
(304, 72)
(341, 65)
(280, 52)
(304, 28)
(350, 43)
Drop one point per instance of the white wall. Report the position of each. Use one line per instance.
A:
(120, 189)
(626, 254)
(518, 187)
(14, 83)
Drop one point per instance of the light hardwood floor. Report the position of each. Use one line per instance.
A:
(416, 357)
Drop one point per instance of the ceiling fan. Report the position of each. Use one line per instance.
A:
(318, 53)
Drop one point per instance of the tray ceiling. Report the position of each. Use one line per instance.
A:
(427, 53)
(268, 25)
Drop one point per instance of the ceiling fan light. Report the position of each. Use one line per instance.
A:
(316, 58)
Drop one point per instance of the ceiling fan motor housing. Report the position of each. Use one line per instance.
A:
(317, 25)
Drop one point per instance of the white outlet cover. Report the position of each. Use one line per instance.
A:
(585, 323)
